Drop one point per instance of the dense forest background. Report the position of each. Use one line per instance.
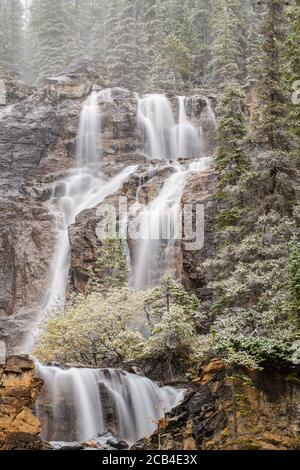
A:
(147, 44)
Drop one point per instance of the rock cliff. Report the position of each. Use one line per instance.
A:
(19, 388)
(38, 131)
(228, 409)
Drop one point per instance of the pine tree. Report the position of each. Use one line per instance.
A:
(78, 15)
(11, 35)
(49, 37)
(231, 159)
(161, 78)
(129, 40)
(114, 54)
(293, 73)
(294, 271)
(254, 40)
(178, 59)
(225, 60)
(271, 129)
(110, 269)
(202, 27)
(97, 45)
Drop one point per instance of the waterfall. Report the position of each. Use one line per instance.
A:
(83, 188)
(210, 114)
(188, 136)
(157, 247)
(87, 151)
(156, 123)
(164, 139)
(78, 404)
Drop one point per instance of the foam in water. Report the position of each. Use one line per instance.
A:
(77, 404)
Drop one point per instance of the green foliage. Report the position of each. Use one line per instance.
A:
(124, 326)
(173, 340)
(251, 338)
(294, 275)
(271, 130)
(229, 43)
(178, 59)
(94, 329)
(49, 37)
(231, 159)
(161, 299)
(11, 35)
(293, 71)
(110, 269)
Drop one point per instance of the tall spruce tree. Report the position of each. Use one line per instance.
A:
(49, 37)
(254, 41)
(293, 73)
(11, 35)
(202, 27)
(114, 38)
(231, 158)
(271, 128)
(225, 59)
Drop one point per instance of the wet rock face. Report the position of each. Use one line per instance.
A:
(19, 388)
(37, 146)
(25, 247)
(235, 410)
(38, 130)
(198, 192)
(12, 89)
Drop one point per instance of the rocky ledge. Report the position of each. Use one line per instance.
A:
(19, 388)
(230, 409)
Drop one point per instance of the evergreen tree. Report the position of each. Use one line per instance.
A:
(225, 60)
(294, 272)
(271, 129)
(160, 24)
(231, 158)
(201, 50)
(254, 40)
(293, 73)
(78, 15)
(110, 269)
(49, 37)
(114, 54)
(11, 35)
(178, 59)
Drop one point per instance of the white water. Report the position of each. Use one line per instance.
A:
(83, 188)
(157, 123)
(210, 114)
(188, 136)
(163, 138)
(158, 246)
(77, 404)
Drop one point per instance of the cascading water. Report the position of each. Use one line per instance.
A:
(157, 123)
(159, 225)
(83, 188)
(163, 138)
(88, 148)
(157, 248)
(188, 136)
(78, 404)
